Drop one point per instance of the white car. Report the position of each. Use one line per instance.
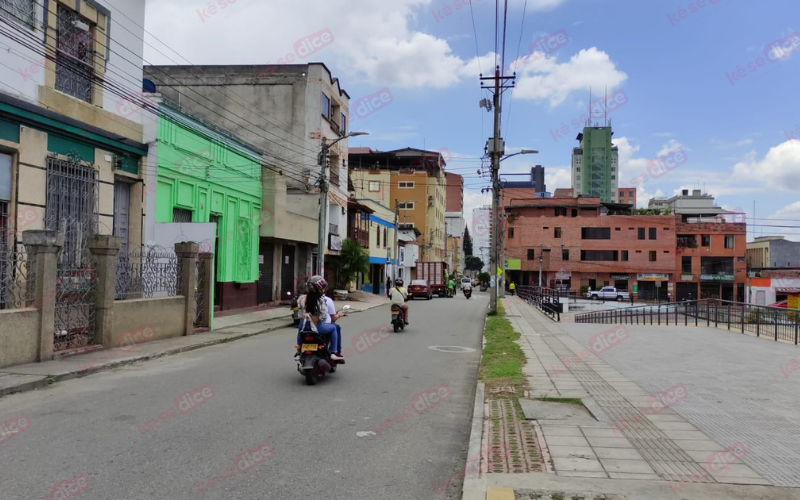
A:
(608, 293)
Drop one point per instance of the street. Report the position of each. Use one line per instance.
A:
(237, 421)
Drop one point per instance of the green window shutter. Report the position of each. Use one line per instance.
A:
(9, 131)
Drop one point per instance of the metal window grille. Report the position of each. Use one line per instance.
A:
(243, 250)
(19, 10)
(147, 272)
(74, 54)
(181, 215)
(72, 205)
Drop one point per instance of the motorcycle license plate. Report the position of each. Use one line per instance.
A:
(309, 347)
(395, 313)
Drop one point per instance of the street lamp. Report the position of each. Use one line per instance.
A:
(499, 256)
(323, 196)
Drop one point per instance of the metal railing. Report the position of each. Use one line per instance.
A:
(546, 299)
(772, 322)
(147, 272)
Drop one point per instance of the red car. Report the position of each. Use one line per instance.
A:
(784, 304)
(420, 288)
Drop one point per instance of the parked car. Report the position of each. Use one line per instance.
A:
(420, 288)
(783, 303)
(608, 293)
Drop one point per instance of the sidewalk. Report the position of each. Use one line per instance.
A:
(622, 443)
(32, 376)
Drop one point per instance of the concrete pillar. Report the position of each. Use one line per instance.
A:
(207, 263)
(105, 249)
(43, 248)
(187, 253)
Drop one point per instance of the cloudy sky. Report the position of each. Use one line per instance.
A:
(694, 78)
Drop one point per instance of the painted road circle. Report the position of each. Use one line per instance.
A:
(450, 348)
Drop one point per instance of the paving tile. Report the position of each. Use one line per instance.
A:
(630, 466)
(571, 451)
(576, 464)
(603, 432)
(628, 475)
(617, 442)
(741, 480)
(617, 454)
(565, 441)
(698, 445)
(675, 426)
(738, 470)
(681, 435)
(553, 430)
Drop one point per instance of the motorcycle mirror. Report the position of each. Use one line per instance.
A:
(345, 307)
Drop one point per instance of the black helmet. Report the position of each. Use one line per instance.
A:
(318, 284)
(398, 282)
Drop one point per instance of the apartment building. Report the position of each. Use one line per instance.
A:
(595, 164)
(773, 251)
(418, 187)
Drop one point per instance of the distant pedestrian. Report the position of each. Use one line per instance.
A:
(388, 286)
(631, 295)
(669, 297)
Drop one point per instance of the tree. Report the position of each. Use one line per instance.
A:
(353, 259)
(473, 263)
(484, 278)
(467, 246)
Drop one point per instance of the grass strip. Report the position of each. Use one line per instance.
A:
(502, 361)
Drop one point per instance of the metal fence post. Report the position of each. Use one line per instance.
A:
(758, 322)
(659, 314)
(796, 326)
(729, 317)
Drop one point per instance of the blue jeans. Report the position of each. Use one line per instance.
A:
(332, 329)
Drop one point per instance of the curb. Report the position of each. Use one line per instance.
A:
(474, 488)
(44, 381)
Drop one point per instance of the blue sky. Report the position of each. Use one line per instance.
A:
(736, 137)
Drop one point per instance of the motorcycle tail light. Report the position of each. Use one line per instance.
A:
(321, 346)
(297, 347)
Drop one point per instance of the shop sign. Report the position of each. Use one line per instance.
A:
(335, 242)
(716, 277)
(620, 277)
(652, 277)
(687, 277)
(513, 264)
(563, 274)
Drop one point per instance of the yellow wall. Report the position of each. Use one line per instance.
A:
(427, 216)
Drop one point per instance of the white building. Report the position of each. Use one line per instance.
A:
(454, 227)
(481, 234)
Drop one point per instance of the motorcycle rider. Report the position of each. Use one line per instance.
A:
(314, 316)
(399, 297)
(333, 315)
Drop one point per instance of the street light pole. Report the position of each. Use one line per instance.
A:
(322, 160)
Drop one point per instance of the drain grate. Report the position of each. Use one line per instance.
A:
(504, 428)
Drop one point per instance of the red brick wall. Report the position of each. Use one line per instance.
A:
(455, 193)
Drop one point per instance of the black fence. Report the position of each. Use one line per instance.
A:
(546, 299)
(773, 322)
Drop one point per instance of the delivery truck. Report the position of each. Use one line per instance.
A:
(435, 273)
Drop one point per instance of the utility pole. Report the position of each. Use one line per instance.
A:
(396, 238)
(541, 260)
(496, 150)
(323, 205)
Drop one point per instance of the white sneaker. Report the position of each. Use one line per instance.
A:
(336, 357)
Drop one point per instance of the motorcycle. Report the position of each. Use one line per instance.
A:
(315, 356)
(398, 318)
(295, 312)
(468, 292)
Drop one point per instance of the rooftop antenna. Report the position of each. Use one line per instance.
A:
(589, 119)
(605, 106)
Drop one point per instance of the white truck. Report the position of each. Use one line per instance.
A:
(608, 293)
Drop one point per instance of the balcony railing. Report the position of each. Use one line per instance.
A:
(360, 235)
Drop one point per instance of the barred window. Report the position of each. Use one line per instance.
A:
(19, 10)
(72, 204)
(74, 54)
(181, 215)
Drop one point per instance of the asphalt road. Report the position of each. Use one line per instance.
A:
(134, 437)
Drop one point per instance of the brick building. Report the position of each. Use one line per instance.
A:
(577, 245)
(455, 193)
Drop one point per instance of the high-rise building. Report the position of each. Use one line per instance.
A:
(537, 173)
(595, 164)
(481, 231)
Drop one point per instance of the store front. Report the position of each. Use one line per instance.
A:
(621, 281)
(651, 286)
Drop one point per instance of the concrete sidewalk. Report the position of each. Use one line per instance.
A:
(32, 376)
(626, 446)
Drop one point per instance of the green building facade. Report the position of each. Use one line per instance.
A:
(206, 175)
(594, 164)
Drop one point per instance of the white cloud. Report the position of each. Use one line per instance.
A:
(546, 79)
(779, 169)
(560, 177)
(786, 216)
(632, 166)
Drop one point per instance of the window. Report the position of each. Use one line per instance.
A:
(564, 254)
(728, 241)
(625, 255)
(343, 123)
(632, 193)
(716, 265)
(19, 10)
(595, 233)
(574, 212)
(653, 233)
(578, 169)
(326, 106)
(181, 215)
(409, 205)
(74, 54)
(385, 238)
(557, 232)
(617, 229)
(531, 254)
(72, 194)
(653, 255)
(641, 233)
(600, 255)
(374, 186)
(561, 211)
(705, 240)
(510, 232)
(406, 185)
(686, 265)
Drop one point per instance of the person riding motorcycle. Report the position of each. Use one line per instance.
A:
(333, 315)
(315, 317)
(399, 297)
